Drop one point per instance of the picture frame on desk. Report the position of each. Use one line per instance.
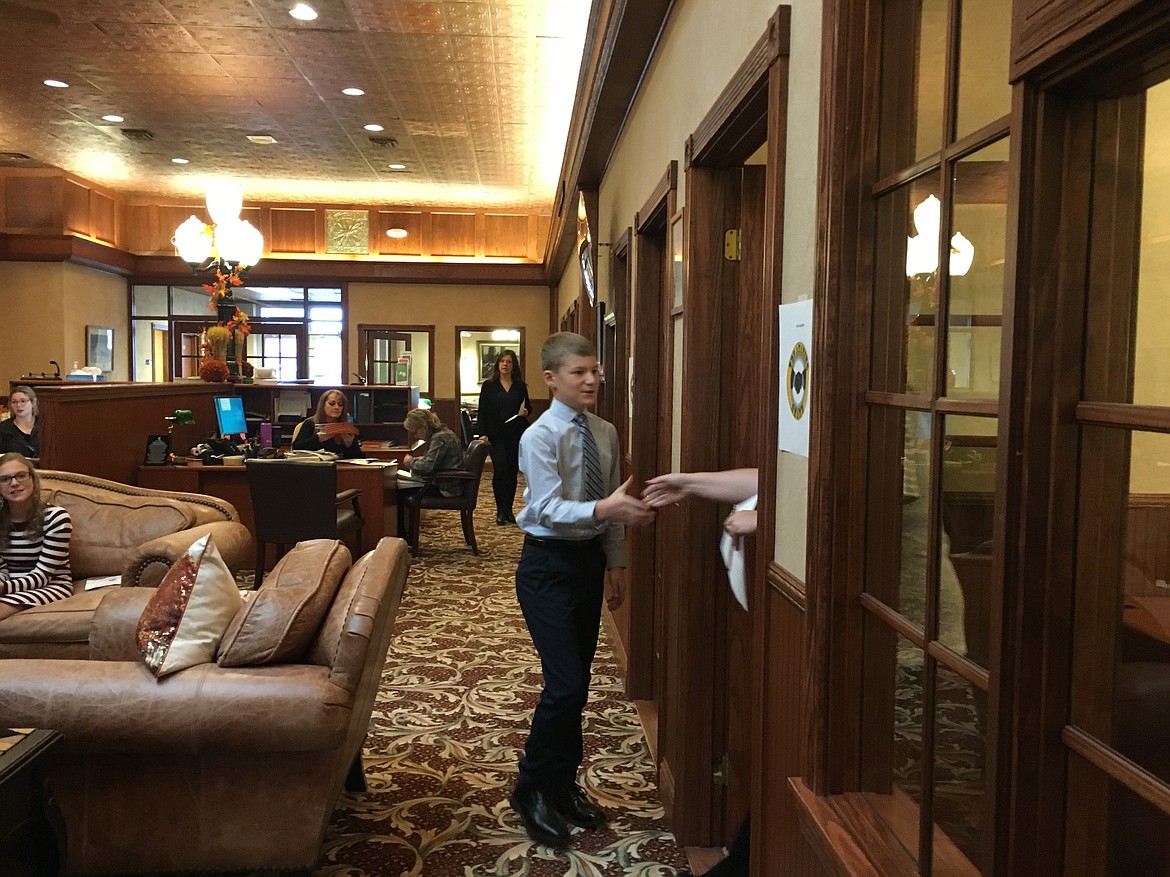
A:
(158, 450)
(99, 347)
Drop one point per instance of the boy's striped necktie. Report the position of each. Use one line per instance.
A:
(594, 483)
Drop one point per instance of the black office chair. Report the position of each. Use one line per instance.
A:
(294, 500)
(468, 427)
(465, 502)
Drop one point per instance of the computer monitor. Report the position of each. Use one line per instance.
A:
(229, 415)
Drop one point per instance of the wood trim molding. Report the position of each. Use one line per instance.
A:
(786, 585)
(656, 204)
(66, 248)
(611, 78)
(1120, 769)
(1149, 418)
(171, 269)
(830, 837)
(743, 96)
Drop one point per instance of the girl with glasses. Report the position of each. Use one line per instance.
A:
(21, 433)
(34, 541)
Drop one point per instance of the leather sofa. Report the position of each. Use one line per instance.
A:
(117, 529)
(213, 768)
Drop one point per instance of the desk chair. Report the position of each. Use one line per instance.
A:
(466, 425)
(294, 500)
(465, 502)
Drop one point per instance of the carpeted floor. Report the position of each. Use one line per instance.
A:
(458, 690)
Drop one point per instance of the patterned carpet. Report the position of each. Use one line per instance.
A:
(457, 695)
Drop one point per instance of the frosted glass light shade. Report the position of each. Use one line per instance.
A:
(251, 243)
(224, 200)
(238, 242)
(962, 255)
(193, 240)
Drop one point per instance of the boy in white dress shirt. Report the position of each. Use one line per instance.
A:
(574, 547)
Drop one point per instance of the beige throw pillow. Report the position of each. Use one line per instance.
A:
(186, 617)
(279, 622)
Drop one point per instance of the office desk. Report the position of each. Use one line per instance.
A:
(385, 451)
(378, 501)
(32, 833)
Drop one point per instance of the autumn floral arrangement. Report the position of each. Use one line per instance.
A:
(223, 343)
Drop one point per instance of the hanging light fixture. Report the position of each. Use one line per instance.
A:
(229, 245)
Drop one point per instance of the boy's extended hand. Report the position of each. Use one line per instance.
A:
(615, 587)
(620, 506)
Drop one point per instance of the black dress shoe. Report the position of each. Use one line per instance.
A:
(511, 518)
(579, 810)
(501, 520)
(541, 820)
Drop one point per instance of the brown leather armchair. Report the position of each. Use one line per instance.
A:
(121, 529)
(465, 502)
(211, 768)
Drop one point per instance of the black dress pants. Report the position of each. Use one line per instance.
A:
(505, 451)
(559, 586)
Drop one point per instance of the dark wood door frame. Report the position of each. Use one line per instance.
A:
(642, 682)
(693, 714)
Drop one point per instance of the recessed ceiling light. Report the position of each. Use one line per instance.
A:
(353, 92)
(397, 232)
(112, 118)
(56, 83)
(303, 12)
(265, 139)
(180, 161)
(397, 167)
(374, 128)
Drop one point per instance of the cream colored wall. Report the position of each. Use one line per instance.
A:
(702, 46)
(48, 305)
(1150, 452)
(448, 306)
(94, 298)
(569, 286)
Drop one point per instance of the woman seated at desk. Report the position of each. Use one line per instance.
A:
(34, 541)
(443, 451)
(21, 433)
(329, 429)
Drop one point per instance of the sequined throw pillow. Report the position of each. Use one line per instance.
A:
(184, 620)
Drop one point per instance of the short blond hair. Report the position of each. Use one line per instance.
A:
(559, 347)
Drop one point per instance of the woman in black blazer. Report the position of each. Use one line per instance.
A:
(503, 417)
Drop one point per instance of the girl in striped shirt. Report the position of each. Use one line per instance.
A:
(34, 541)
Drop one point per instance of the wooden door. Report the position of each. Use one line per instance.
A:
(382, 349)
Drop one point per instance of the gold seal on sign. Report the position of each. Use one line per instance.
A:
(797, 380)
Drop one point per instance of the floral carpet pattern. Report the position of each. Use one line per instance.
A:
(452, 714)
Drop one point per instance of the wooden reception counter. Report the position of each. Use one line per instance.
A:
(102, 429)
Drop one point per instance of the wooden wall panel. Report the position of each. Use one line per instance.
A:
(505, 235)
(103, 216)
(776, 838)
(452, 234)
(292, 230)
(51, 202)
(77, 217)
(32, 203)
(411, 245)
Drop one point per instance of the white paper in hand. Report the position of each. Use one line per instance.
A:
(733, 558)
